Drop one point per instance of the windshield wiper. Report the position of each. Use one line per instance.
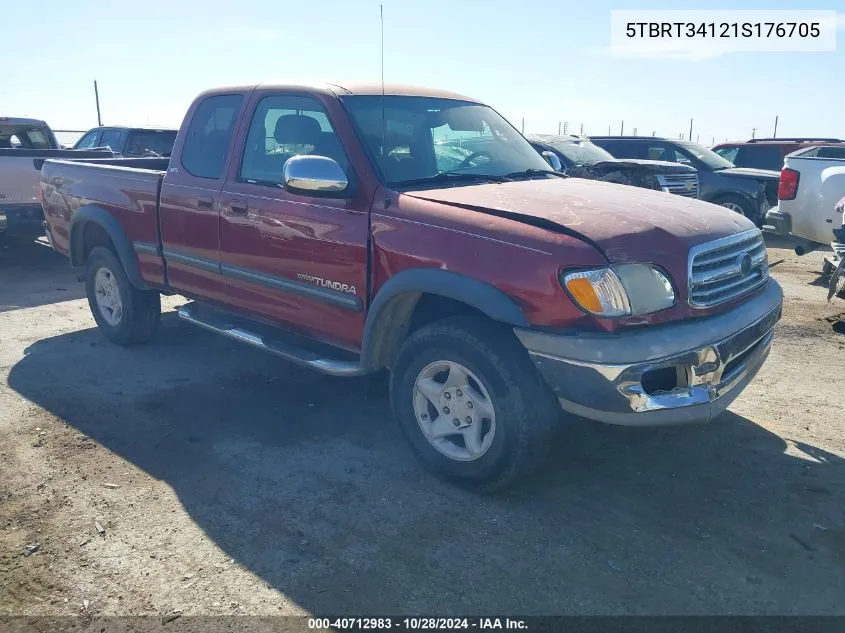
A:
(449, 176)
(533, 171)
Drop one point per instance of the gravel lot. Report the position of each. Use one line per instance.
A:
(227, 481)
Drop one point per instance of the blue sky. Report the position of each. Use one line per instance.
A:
(546, 61)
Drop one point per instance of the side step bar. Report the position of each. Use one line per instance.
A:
(235, 327)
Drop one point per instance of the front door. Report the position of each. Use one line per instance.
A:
(297, 260)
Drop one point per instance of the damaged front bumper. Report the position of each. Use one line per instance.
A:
(667, 374)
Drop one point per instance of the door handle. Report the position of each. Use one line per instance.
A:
(205, 203)
(238, 208)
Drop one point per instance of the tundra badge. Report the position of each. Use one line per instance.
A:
(328, 283)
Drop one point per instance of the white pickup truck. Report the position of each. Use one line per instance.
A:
(812, 183)
(24, 146)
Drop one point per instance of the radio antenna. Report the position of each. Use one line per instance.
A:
(383, 116)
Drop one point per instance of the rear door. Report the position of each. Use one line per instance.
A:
(189, 195)
(297, 260)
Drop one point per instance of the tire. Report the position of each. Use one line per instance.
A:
(500, 379)
(134, 315)
(739, 205)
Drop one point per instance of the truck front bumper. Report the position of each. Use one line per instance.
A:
(667, 374)
(22, 220)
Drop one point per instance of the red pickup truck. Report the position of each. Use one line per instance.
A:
(419, 232)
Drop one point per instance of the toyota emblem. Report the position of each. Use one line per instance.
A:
(744, 263)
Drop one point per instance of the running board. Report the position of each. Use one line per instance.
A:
(244, 330)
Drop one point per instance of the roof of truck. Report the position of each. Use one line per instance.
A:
(13, 120)
(349, 88)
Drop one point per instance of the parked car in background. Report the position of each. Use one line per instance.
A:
(131, 142)
(581, 158)
(768, 153)
(24, 144)
(750, 192)
(811, 187)
(495, 290)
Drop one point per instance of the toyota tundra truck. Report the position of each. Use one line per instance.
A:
(334, 227)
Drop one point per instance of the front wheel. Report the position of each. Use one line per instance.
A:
(471, 403)
(124, 314)
(739, 205)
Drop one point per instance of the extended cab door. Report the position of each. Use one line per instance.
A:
(189, 195)
(297, 260)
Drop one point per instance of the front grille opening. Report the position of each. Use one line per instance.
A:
(655, 381)
(716, 273)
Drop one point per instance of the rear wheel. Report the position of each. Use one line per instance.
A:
(471, 403)
(124, 314)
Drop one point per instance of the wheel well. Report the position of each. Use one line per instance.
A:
(431, 308)
(728, 196)
(407, 313)
(92, 235)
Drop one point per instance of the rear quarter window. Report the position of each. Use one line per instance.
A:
(210, 135)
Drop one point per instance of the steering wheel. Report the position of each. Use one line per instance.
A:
(466, 161)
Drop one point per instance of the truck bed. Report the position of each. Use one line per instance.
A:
(127, 189)
(821, 185)
(20, 206)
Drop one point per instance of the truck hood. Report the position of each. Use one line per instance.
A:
(627, 223)
(750, 172)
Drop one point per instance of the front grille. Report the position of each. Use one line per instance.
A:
(681, 184)
(720, 271)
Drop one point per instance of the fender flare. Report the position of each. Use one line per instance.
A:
(122, 245)
(389, 314)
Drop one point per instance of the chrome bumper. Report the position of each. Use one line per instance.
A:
(668, 374)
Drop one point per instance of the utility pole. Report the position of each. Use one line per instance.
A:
(582, 129)
(97, 99)
(523, 125)
(775, 134)
(690, 129)
(714, 142)
(622, 129)
(753, 132)
(608, 130)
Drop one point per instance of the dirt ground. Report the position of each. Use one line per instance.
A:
(199, 475)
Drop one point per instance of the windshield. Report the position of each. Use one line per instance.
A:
(427, 137)
(706, 156)
(581, 152)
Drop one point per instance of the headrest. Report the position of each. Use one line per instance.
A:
(296, 129)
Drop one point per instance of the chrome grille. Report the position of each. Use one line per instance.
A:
(681, 184)
(716, 271)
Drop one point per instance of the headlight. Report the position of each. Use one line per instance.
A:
(623, 290)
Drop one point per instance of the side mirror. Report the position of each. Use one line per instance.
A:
(552, 159)
(314, 174)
